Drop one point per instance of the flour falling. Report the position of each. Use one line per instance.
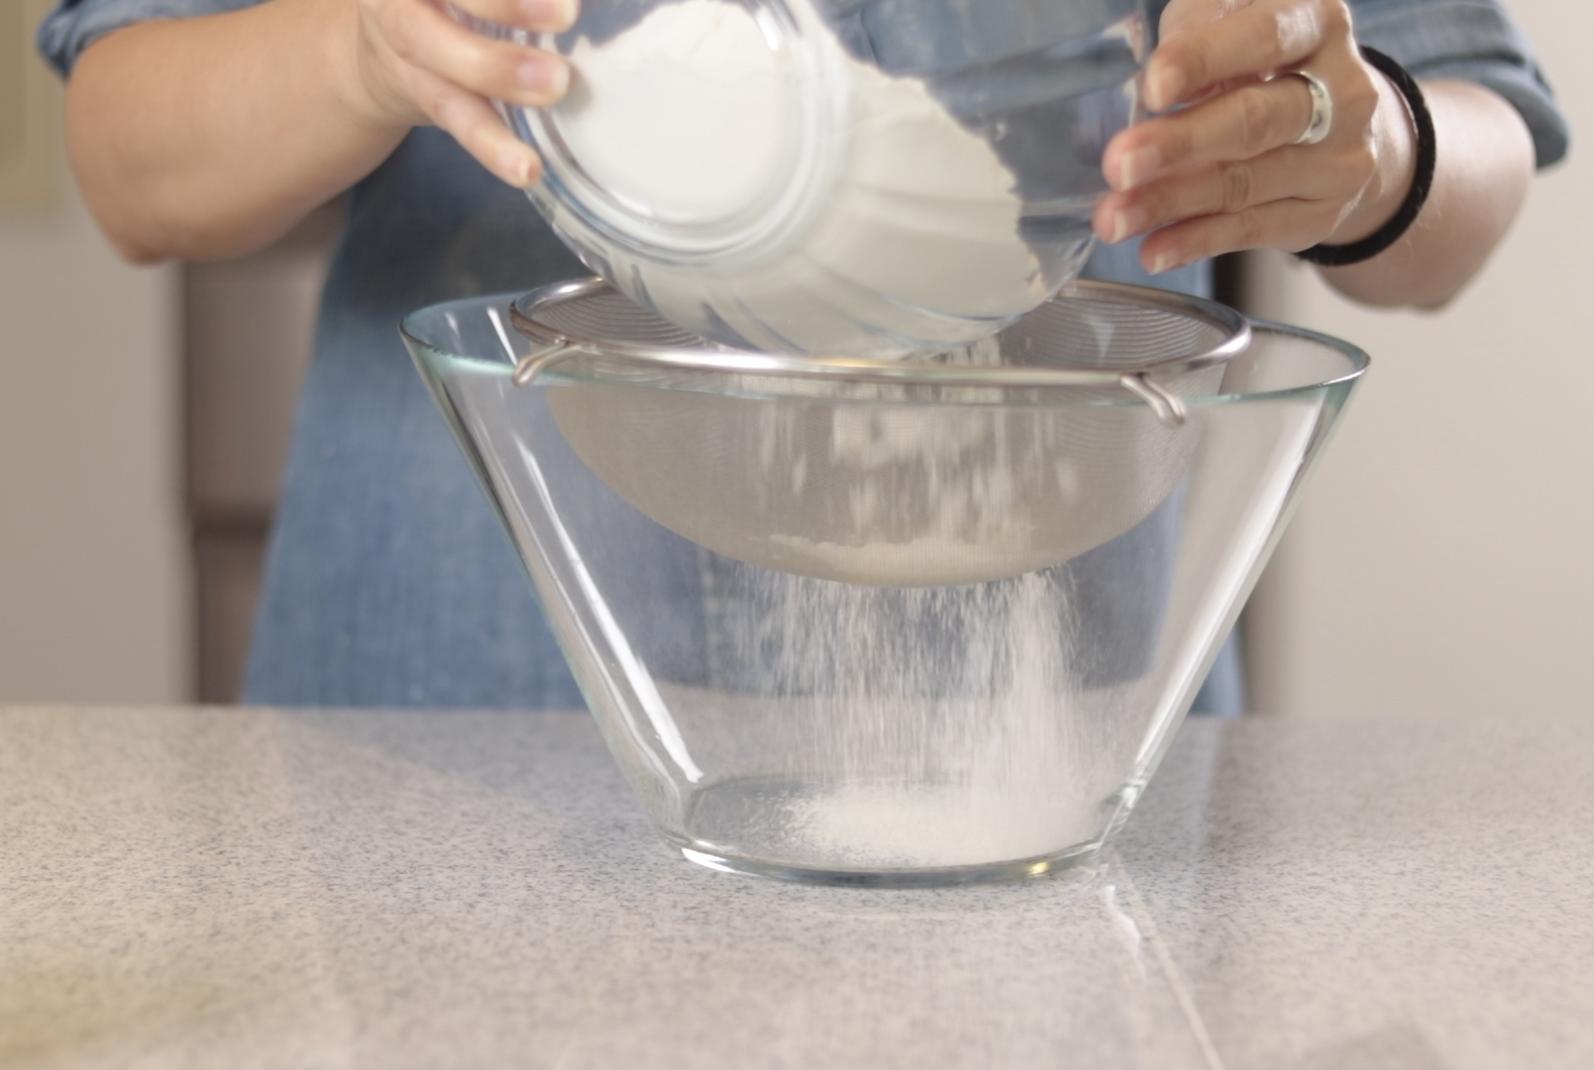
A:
(935, 724)
(895, 728)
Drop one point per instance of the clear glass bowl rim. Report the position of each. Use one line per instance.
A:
(720, 359)
(909, 373)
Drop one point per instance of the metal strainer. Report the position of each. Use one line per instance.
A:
(986, 461)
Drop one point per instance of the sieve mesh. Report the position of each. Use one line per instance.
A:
(1087, 332)
(905, 482)
(1089, 326)
(606, 316)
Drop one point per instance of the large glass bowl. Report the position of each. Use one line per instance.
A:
(817, 730)
(868, 177)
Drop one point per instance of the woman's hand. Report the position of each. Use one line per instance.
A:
(1223, 172)
(212, 136)
(417, 65)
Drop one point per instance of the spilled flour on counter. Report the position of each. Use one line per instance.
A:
(687, 116)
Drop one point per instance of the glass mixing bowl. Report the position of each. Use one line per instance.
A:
(818, 730)
(867, 177)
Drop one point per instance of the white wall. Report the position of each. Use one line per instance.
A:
(1441, 562)
(93, 559)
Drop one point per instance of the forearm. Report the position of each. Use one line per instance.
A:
(211, 136)
(208, 137)
(1481, 176)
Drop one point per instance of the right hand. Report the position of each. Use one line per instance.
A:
(417, 66)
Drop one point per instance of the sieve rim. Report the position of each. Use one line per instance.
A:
(554, 346)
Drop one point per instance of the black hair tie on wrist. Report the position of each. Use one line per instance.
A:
(1421, 181)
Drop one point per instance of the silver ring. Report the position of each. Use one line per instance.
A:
(1322, 109)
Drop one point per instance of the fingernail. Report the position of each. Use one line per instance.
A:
(546, 76)
(552, 15)
(1164, 86)
(1126, 222)
(520, 167)
(1166, 261)
(1137, 165)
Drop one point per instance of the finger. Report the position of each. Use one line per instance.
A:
(1238, 125)
(543, 16)
(1290, 225)
(1252, 41)
(476, 126)
(1182, 15)
(1230, 187)
(424, 37)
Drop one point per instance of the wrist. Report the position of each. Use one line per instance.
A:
(353, 73)
(1394, 145)
(1418, 186)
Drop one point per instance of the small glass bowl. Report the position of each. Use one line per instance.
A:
(876, 178)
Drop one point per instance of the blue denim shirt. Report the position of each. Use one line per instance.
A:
(389, 582)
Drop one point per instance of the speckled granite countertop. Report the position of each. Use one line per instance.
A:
(241, 889)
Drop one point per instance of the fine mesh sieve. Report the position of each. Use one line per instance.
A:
(986, 461)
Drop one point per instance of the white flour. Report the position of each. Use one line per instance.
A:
(681, 114)
(884, 728)
(876, 726)
(911, 236)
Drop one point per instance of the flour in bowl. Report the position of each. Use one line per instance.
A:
(907, 239)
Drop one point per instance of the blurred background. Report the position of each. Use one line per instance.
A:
(1438, 564)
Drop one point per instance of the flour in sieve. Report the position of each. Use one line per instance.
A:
(917, 230)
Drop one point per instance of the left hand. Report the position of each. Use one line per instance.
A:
(1221, 174)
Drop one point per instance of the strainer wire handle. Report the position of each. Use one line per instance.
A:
(533, 364)
(554, 345)
(1168, 407)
